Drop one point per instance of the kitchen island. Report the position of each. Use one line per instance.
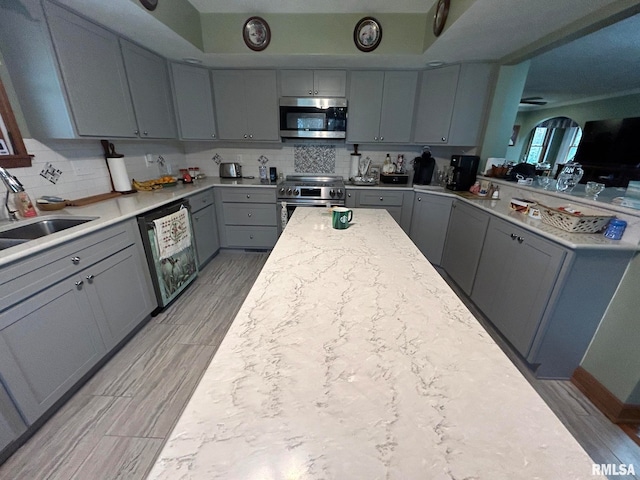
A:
(352, 358)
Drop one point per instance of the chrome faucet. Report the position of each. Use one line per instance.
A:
(13, 185)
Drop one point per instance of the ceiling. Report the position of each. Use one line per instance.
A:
(601, 63)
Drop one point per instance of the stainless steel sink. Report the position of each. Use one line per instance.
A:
(39, 228)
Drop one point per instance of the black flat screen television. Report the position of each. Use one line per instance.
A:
(609, 151)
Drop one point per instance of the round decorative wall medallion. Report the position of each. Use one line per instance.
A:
(367, 34)
(440, 18)
(149, 4)
(256, 33)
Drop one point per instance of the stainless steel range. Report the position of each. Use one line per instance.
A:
(309, 191)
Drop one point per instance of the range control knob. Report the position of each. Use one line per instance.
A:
(296, 192)
(282, 190)
(289, 191)
(339, 192)
(332, 192)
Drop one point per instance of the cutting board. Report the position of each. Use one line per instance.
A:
(81, 202)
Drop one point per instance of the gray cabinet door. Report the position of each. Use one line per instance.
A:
(94, 75)
(11, 425)
(472, 95)
(194, 102)
(205, 231)
(228, 91)
(436, 97)
(429, 224)
(262, 105)
(365, 105)
(398, 100)
(463, 244)
(120, 294)
(516, 275)
(246, 104)
(296, 83)
(150, 90)
(321, 83)
(50, 342)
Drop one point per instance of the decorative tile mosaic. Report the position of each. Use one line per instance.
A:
(314, 158)
(51, 173)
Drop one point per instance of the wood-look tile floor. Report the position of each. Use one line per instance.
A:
(117, 423)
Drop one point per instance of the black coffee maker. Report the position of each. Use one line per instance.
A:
(423, 167)
(464, 170)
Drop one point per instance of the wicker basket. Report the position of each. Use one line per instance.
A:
(584, 222)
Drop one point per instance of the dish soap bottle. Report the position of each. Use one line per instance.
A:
(24, 205)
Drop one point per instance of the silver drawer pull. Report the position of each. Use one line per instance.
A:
(79, 283)
(248, 196)
(380, 198)
(75, 260)
(90, 278)
(249, 214)
(419, 199)
(520, 239)
(513, 236)
(251, 237)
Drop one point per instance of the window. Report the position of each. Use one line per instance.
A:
(554, 141)
(12, 150)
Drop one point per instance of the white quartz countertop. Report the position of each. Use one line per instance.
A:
(351, 358)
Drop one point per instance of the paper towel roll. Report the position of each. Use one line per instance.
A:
(355, 164)
(118, 171)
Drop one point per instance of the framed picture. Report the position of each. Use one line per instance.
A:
(256, 33)
(514, 135)
(367, 34)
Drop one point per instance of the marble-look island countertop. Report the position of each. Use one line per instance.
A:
(351, 358)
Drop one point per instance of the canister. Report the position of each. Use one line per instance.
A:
(615, 229)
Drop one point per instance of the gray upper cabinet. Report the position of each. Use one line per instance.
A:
(381, 106)
(68, 73)
(194, 102)
(246, 104)
(451, 104)
(150, 90)
(321, 83)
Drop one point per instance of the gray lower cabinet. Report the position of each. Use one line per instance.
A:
(194, 102)
(381, 106)
(62, 310)
(399, 203)
(429, 222)
(11, 424)
(247, 217)
(515, 279)
(463, 245)
(150, 91)
(205, 228)
(246, 105)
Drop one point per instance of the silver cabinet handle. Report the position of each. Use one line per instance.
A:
(444, 139)
(213, 135)
(79, 283)
(248, 196)
(145, 133)
(520, 239)
(419, 199)
(90, 278)
(75, 260)
(316, 92)
(250, 135)
(136, 132)
(251, 237)
(381, 198)
(375, 139)
(246, 136)
(513, 236)
(249, 214)
(381, 139)
(310, 92)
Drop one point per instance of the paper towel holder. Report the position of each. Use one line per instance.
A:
(110, 152)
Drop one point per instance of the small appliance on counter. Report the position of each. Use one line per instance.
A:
(464, 171)
(230, 170)
(423, 168)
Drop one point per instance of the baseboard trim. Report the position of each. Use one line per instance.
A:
(615, 410)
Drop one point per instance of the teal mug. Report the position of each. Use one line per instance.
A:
(341, 217)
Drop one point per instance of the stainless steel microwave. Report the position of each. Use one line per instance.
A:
(313, 117)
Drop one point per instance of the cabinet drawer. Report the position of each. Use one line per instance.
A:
(252, 237)
(201, 200)
(381, 198)
(249, 214)
(249, 195)
(27, 277)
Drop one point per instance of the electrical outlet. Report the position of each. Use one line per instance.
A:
(148, 158)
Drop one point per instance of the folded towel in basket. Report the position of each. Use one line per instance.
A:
(173, 233)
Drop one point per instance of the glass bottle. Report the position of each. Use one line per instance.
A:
(569, 177)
